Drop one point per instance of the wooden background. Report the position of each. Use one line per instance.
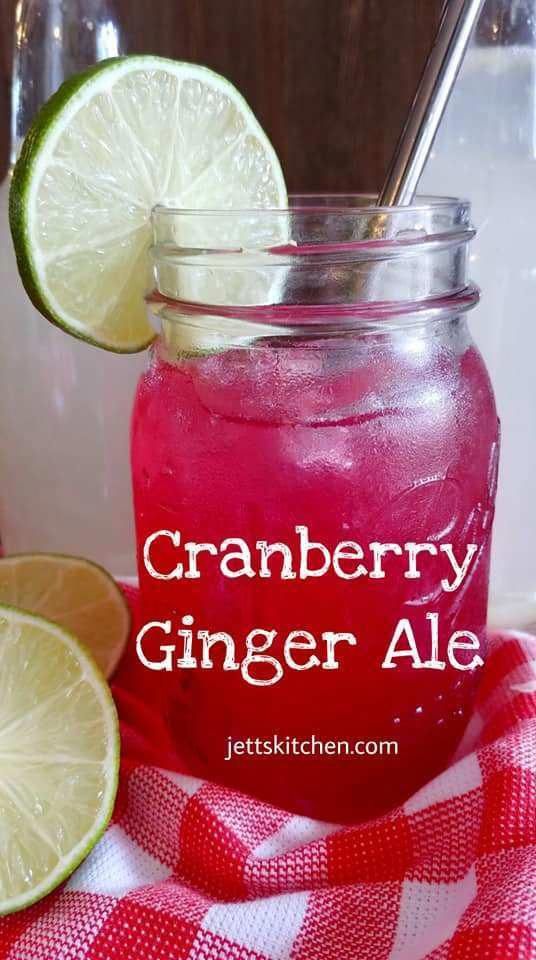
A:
(330, 80)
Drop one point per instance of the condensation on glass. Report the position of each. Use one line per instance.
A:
(486, 150)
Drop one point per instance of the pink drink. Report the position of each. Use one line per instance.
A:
(388, 436)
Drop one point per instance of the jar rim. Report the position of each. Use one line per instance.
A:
(320, 251)
(332, 226)
(342, 204)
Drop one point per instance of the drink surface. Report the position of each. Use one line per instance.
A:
(389, 438)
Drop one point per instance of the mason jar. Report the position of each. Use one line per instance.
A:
(315, 373)
(486, 146)
(71, 495)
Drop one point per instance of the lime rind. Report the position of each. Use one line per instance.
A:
(69, 862)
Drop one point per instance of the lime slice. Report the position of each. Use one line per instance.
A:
(59, 757)
(111, 144)
(74, 593)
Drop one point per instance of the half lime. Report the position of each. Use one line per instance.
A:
(76, 594)
(59, 757)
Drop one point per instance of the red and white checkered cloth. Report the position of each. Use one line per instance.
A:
(191, 871)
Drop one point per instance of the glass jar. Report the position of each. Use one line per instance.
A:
(486, 148)
(71, 495)
(314, 371)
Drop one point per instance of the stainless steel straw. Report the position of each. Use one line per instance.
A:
(457, 22)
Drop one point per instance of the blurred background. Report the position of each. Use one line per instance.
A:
(330, 80)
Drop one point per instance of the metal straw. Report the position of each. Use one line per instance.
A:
(446, 57)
